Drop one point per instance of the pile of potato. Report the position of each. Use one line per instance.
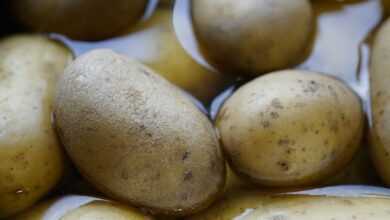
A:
(105, 136)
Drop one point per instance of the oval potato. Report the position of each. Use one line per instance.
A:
(30, 155)
(78, 19)
(151, 146)
(252, 37)
(291, 128)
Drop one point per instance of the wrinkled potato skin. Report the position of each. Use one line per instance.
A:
(251, 204)
(291, 128)
(78, 19)
(249, 37)
(30, 155)
(174, 63)
(380, 96)
(159, 151)
(93, 210)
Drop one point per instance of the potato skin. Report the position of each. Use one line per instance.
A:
(78, 19)
(31, 157)
(152, 147)
(252, 37)
(83, 208)
(380, 105)
(291, 128)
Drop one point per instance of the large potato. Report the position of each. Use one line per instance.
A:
(166, 55)
(253, 36)
(291, 128)
(342, 202)
(380, 101)
(81, 208)
(151, 146)
(78, 19)
(31, 158)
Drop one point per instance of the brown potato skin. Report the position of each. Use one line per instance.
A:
(78, 19)
(151, 146)
(252, 37)
(291, 128)
(380, 105)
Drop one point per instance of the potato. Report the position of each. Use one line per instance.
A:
(342, 202)
(380, 105)
(78, 19)
(291, 128)
(151, 146)
(252, 37)
(166, 55)
(30, 155)
(81, 208)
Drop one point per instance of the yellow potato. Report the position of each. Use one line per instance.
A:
(291, 128)
(81, 208)
(30, 155)
(380, 94)
(151, 146)
(252, 37)
(166, 55)
(343, 202)
(78, 19)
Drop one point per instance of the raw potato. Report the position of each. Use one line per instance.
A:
(359, 202)
(380, 104)
(170, 60)
(78, 19)
(252, 37)
(81, 208)
(30, 155)
(291, 128)
(151, 146)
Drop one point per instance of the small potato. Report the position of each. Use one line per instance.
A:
(166, 55)
(380, 104)
(78, 19)
(291, 128)
(81, 208)
(252, 37)
(31, 157)
(340, 203)
(151, 146)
